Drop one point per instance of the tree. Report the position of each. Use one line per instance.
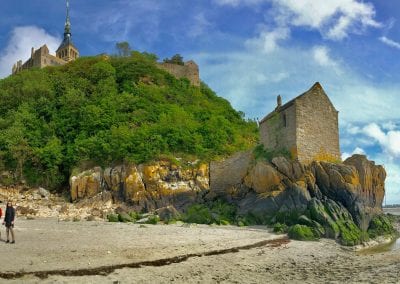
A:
(123, 48)
(176, 59)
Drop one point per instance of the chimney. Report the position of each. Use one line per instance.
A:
(279, 101)
(32, 52)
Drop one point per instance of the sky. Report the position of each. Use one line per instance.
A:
(248, 51)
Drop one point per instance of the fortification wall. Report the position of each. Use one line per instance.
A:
(317, 128)
(279, 130)
(190, 71)
(39, 58)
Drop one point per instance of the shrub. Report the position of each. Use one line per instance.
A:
(153, 219)
(125, 218)
(135, 215)
(260, 153)
(112, 218)
(224, 222)
(199, 214)
(280, 228)
(301, 233)
(222, 212)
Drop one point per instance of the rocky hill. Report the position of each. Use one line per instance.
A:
(107, 111)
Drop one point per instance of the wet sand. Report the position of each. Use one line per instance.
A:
(198, 254)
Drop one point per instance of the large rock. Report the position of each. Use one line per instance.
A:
(86, 184)
(229, 173)
(358, 184)
(146, 187)
(264, 179)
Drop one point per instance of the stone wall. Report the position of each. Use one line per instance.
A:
(190, 71)
(39, 58)
(317, 132)
(278, 131)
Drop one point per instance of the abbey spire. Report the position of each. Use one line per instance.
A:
(41, 57)
(67, 50)
(67, 29)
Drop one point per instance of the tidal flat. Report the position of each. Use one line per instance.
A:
(49, 251)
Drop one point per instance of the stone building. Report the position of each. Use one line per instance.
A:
(307, 126)
(41, 57)
(189, 70)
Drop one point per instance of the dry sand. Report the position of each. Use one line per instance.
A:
(80, 248)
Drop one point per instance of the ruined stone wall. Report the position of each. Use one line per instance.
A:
(317, 132)
(39, 58)
(274, 134)
(190, 71)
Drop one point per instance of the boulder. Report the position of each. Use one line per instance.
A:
(86, 184)
(168, 213)
(264, 179)
(229, 172)
(43, 192)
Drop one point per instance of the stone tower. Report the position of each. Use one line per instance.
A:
(67, 50)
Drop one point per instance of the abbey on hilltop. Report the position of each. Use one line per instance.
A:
(41, 57)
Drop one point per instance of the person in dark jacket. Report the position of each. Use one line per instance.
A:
(1, 214)
(9, 217)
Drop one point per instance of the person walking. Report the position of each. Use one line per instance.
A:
(1, 214)
(9, 217)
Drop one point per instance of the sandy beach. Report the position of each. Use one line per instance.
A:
(49, 251)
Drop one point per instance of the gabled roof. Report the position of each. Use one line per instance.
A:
(316, 87)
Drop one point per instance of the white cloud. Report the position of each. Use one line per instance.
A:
(392, 182)
(357, 150)
(322, 57)
(335, 19)
(268, 40)
(389, 141)
(389, 125)
(200, 25)
(390, 42)
(20, 44)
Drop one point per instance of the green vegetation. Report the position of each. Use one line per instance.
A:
(217, 212)
(260, 153)
(123, 48)
(176, 59)
(132, 217)
(301, 233)
(381, 226)
(350, 234)
(113, 218)
(280, 228)
(106, 110)
(153, 220)
(125, 218)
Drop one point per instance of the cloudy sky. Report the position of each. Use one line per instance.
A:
(249, 51)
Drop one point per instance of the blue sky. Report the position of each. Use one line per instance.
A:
(248, 51)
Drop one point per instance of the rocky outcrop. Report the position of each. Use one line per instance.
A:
(257, 187)
(146, 187)
(283, 185)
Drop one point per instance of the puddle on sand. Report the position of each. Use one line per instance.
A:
(392, 246)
